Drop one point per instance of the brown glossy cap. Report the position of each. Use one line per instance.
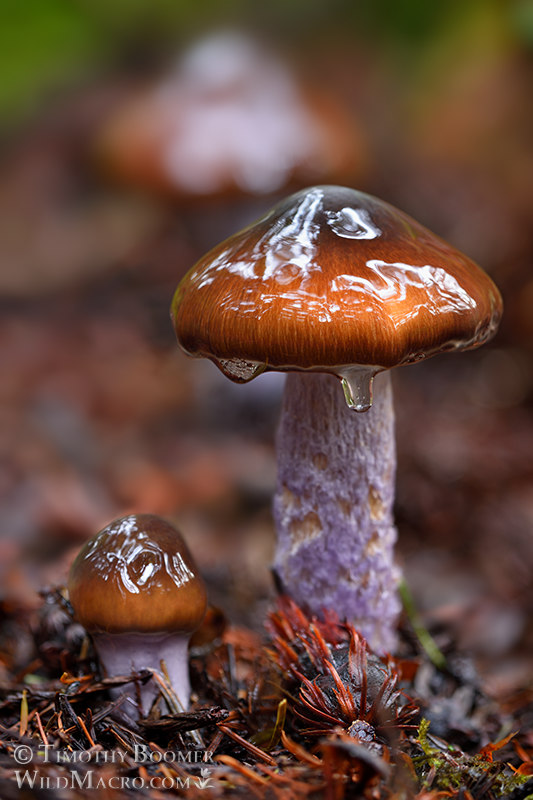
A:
(332, 278)
(137, 576)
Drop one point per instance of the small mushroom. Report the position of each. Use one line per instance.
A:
(136, 589)
(335, 283)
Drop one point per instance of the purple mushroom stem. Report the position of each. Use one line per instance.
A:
(333, 504)
(122, 654)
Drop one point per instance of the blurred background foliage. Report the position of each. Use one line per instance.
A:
(46, 46)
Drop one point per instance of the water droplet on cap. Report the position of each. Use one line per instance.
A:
(239, 370)
(357, 384)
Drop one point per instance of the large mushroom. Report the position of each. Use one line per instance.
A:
(136, 589)
(333, 283)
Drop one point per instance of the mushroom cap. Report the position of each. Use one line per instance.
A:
(329, 279)
(137, 576)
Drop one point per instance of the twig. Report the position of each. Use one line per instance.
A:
(41, 729)
(256, 751)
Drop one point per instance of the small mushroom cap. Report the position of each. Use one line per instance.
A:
(329, 279)
(137, 576)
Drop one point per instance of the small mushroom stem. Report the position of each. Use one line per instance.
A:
(124, 653)
(333, 504)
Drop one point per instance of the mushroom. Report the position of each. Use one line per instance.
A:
(136, 589)
(333, 283)
(229, 120)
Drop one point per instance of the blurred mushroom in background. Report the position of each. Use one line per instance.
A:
(230, 124)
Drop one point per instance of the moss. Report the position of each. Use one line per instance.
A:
(440, 766)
